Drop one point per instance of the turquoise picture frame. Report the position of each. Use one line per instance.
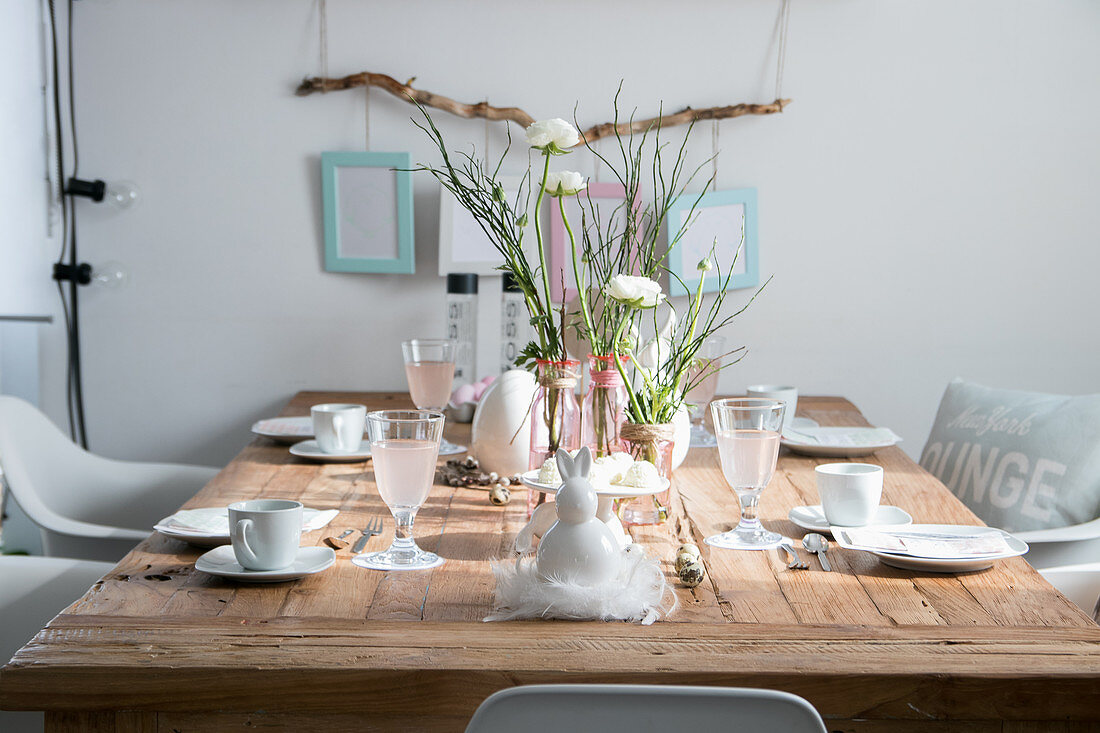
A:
(368, 212)
(716, 216)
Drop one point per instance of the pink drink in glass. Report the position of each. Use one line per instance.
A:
(430, 383)
(748, 457)
(404, 470)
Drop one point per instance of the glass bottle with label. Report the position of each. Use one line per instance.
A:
(462, 324)
(515, 325)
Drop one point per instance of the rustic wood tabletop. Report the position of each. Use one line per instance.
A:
(158, 646)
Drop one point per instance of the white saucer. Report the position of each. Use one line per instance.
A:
(221, 562)
(813, 517)
(614, 491)
(309, 449)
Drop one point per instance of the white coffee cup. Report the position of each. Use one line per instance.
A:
(338, 428)
(850, 492)
(265, 533)
(786, 394)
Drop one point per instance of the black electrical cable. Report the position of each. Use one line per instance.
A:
(60, 151)
(74, 351)
(74, 383)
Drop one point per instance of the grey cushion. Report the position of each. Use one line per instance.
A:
(1019, 460)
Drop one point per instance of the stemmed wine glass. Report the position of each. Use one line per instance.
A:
(704, 380)
(748, 444)
(404, 446)
(430, 369)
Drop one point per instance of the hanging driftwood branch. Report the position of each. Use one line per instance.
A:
(514, 114)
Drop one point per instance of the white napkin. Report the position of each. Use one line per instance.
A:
(929, 544)
(215, 520)
(852, 437)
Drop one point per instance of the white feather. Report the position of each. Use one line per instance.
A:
(638, 593)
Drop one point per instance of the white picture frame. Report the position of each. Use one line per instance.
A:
(463, 245)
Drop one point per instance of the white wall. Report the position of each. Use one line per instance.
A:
(927, 203)
(25, 253)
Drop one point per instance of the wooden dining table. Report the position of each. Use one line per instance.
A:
(158, 646)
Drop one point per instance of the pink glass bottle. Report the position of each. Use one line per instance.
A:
(555, 414)
(604, 408)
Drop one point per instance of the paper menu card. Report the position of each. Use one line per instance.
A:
(850, 437)
(918, 542)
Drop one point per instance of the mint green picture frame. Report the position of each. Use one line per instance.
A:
(356, 224)
(736, 240)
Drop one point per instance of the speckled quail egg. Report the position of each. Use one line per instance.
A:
(683, 558)
(692, 573)
(688, 548)
(500, 495)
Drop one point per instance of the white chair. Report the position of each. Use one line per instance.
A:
(1050, 548)
(643, 709)
(86, 506)
(1079, 583)
(32, 591)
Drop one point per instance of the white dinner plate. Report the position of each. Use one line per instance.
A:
(617, 491)
(309, 449)
(968, 564)
(840, 450)
(312, 519)
(285, 429)
(813, 517)
(221, 562)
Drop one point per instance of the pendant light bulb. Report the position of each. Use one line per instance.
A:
(110, 275)
(122, 194)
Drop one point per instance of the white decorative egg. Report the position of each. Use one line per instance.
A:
(502, 414)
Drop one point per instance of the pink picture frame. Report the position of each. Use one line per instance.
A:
(605, 195)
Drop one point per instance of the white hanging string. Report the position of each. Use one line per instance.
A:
(486, 120)
(597, 162)
(366, 114)
(322, 22)
(714, 149)
(781, 62)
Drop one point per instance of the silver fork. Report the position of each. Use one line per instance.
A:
(372, 528)
(794, 563)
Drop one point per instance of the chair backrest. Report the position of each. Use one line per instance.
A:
(32, 591)
(41, 464)
(643, 709)
(50, 476)
(1079, 583)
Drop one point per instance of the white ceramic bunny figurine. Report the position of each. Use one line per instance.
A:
(579, 548)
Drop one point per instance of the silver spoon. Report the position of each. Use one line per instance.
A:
(818, 545)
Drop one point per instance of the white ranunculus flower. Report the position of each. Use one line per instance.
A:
(638, 292)
(564, 183)
(555, 136)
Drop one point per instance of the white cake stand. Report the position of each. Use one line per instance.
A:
(545, 515)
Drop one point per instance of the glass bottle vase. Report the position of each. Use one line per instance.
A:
(555, 416)
(604, 409)
(653, 443)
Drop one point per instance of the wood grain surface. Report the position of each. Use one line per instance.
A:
(158, 646)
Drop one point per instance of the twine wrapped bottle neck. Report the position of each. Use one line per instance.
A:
(645, 433)
(557, 381)
(608, 378)
(559, 375)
